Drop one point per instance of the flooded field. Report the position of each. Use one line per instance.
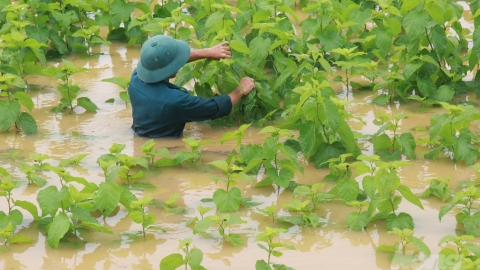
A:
(329, 246)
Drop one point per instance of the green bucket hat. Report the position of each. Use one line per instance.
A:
(160, 57)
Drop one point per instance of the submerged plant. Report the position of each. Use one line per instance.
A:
(68, 90)
(193, 257)
(466, 255)
(398, 252)
(467, 198)
(123, 83)
(13, 217)
(400, 144)
(10, 109)
(139, 215)
(223, 222)
(267, 237)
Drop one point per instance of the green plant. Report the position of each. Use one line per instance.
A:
(400, 144)
(66, 211)
(469, 217)
(193, 257)
(398, 250)
(267, 237)
(223, 222)
(351, 65)
(32, 174)
(466, 255)
(169, 205)
(229, 199)
(279, 171)
(450, 132)
(10, 109)
(90, 38)
(439, 188)
(123, 83)
(194, 145)
(382, 185)
(321, 120)
(13, 217)
(124, 164)
(68, 90)
(269, 211)
(139, 215)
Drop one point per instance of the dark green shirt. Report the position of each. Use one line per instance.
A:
(161, 109)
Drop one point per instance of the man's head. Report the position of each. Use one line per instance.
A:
(161, 57)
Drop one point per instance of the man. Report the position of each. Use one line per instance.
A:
(161, 109)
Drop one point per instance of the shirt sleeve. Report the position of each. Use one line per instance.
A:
(193, 108)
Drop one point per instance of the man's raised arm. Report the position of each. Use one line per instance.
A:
(216, 52)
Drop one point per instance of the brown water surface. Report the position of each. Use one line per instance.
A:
(331, 246)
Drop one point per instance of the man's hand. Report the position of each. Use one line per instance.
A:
(216, 52)
(219, 51)
(245, 87)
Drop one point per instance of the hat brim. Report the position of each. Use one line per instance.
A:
(153, 76)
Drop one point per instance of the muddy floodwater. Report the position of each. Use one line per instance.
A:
(330, 246)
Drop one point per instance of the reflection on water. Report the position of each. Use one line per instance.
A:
(331, 246)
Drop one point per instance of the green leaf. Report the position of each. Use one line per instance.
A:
(120, 10)
(436, 12)
(47, 200)
(27, 123)
(95, 226)
(227, 201)
(385, 248)
(402, 221)
(30, 207)
(87, 104)
(8, 113)
(281, 178)
(16, 217)
(444, 93)
(381, 100)
(357, 221)
(57, 229)
(171, 262)
(472, 224)
(259, 48)
(239, 47)
(24, 99)
(407, 194)
(408, 144)
(368, 185)
(18, 239)
(234, 239)
(426, 87)
(347, 189)
(415, 22)
(221, 164)
(194, 257)
(439, 40)
(463, 149)
(386, 181)
(283, 77)
(326, 152)
(120, 81)
(107, 197)
(347, 137)
(420, 245)
(262, 265)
